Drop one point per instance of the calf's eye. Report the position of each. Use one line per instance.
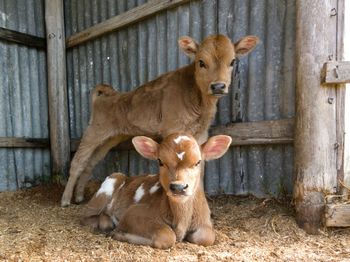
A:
(201, 63)
(160, 162)
(232, 62)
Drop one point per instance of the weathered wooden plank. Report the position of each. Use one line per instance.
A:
(260, 132)
(248, 133)
(57, 87)
(132, 16)
(21, 38)
(341, 96)
(315, 161)
(346, 56)
(338, 215)
(336, 72)
(16, 142)
(126, 145)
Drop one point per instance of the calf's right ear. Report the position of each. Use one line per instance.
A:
(146, 147)
(188, 46)
(215, 147)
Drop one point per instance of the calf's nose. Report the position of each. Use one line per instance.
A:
(178, 188)
(217, 87)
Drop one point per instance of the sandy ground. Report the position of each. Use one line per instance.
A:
(33, 227)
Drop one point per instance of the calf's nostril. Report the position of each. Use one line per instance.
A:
(178, 188)
(217, 86)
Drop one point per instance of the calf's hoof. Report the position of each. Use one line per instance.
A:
(79, 199)
(65, 203)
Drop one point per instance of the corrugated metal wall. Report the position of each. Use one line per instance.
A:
(23, 96)
(263, 88)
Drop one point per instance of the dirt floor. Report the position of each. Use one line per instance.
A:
(33, 227)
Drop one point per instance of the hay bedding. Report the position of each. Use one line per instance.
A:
(33, 227)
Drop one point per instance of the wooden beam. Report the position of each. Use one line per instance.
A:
(338, 215)
(126, 145)
(57, 88)
(315, 144)
(132, 16)
(256, 133)
(243, 134)
(16, 142)
(248, 133)
(337, 212)
(336, 72)
(21, 38)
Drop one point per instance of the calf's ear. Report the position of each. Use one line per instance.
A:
(245, 45)
(216, 147)
(188, 46)
(146, 147)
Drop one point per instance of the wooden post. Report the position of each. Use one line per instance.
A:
(57, 88)
(315, 162)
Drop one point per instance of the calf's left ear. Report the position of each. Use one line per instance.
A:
(245, 45)
(146, 146)
(216, 147)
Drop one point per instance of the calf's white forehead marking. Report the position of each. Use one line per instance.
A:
(154, 188)
(107, 187)
(140, 192)
(180, 138)
(181, 155)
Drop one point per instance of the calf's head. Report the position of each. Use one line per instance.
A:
(214, 60)
(179, 157)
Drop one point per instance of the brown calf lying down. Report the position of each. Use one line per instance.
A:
(180, 101)
(158, 210)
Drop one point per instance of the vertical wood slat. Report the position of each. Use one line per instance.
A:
(340, 98)
(315, 127)
(57, 88)
(344, 22)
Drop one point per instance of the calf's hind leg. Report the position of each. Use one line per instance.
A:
(91, 140)
(98, 154)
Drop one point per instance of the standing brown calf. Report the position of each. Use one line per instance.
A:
(158, 210)
(180, 101)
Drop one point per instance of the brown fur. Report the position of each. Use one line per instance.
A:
(178, 101)
(161, 217)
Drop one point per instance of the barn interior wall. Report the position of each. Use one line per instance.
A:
(23, 96)
(263, 87)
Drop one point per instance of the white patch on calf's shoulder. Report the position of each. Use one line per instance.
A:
(181, 155)
(140, 192)
(107, 187)
(154, 188)
(179, 138)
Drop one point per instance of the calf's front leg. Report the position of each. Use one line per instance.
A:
(204, 236)
(139, 226)
(162, 238)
